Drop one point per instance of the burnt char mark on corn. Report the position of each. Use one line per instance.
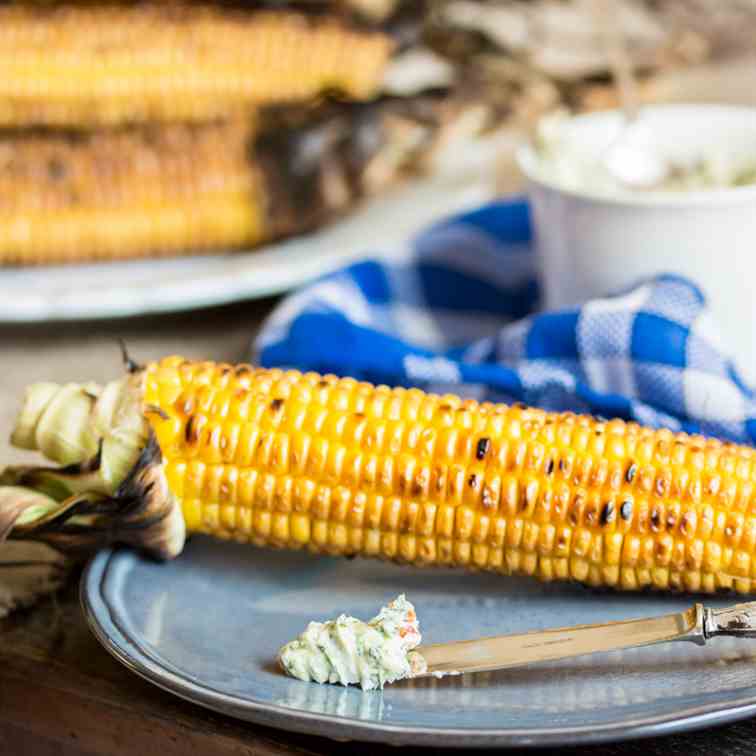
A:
(655, 519)
(626, 510)
(482, 448)
(192, 430)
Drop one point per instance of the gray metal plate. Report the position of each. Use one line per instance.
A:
(207, 627)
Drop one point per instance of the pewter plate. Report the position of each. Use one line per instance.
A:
(207, 627)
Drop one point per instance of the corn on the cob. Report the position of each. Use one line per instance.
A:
(110, 195)
(292, 460)
(181, 188)
(94, 65)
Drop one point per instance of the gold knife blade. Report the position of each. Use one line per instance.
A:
(503, 651)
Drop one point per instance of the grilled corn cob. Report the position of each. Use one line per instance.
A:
(187, 188)
(94, 65)
(173, 189)
(333, 465)
(110, 195)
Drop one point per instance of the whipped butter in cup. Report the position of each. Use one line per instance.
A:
(596, 235)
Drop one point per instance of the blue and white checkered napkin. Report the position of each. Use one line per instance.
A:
(456, 313)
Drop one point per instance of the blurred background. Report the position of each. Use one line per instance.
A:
(161, 129)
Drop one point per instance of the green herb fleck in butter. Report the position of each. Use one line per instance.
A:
(349, 651)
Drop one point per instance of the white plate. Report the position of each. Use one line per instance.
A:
(109, 290)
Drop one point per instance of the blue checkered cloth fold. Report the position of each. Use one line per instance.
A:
(456, 311)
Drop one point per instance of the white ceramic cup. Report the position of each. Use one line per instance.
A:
(591, 244)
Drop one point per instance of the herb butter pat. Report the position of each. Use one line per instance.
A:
(349, 651)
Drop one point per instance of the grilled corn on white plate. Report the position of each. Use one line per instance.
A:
(207, 627)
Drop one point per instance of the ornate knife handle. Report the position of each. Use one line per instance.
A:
(737, 621)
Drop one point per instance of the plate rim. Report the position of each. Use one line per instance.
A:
(101, 622)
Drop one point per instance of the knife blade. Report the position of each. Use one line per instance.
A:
(696, 624)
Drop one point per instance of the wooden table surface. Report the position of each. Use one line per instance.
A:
(61, 694)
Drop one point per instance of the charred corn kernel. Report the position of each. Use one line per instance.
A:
(89, 65)
(341, 467)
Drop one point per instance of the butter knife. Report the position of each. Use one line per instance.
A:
(695, 625)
